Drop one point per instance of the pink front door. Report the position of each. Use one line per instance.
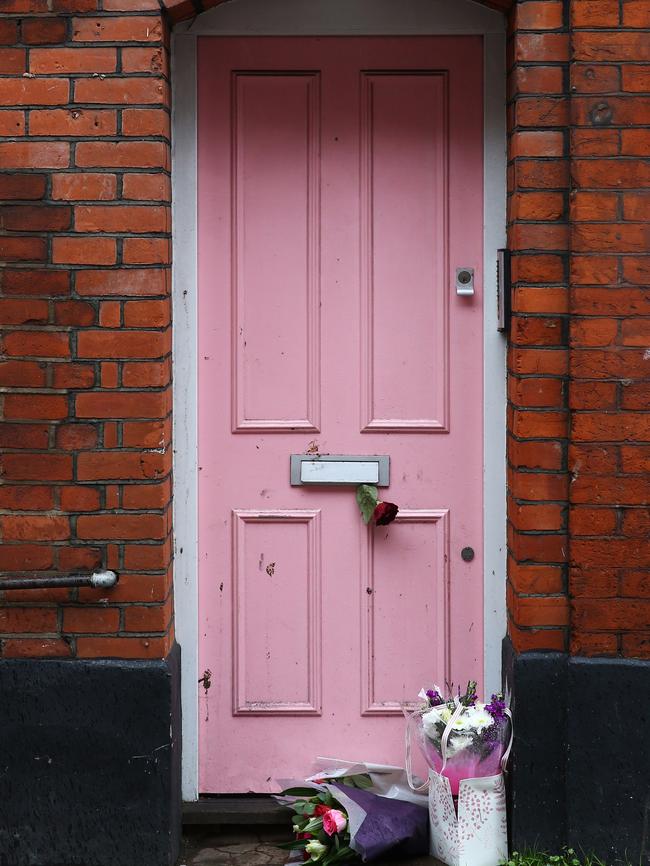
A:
(340, 187)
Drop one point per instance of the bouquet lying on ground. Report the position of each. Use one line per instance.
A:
(321, 827)
(339, 819)
(461, 737)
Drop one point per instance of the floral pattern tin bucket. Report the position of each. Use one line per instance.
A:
(466, 745)
(472, 831)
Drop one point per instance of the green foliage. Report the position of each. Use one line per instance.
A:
(367, 497)
(289, 846)
(568, 857)
(343, 855)
(361, 780)
(324, 849)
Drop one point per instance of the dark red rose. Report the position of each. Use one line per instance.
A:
(385, 513)
(321, 809)
(304, 836)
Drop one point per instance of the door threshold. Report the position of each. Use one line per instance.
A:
(222, 809)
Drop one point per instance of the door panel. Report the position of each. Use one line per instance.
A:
(403, 171)
(340, 186)
(276, 622)
(406, 627)
(275, 125)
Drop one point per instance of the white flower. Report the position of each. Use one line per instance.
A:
(480, 719)
(315, 849)
(429, 722)
(457, 743)
(462, 722)
(434, 717)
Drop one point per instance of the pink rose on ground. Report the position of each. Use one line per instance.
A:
(334, 821)
(385, 513)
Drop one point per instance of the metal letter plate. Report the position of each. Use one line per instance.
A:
(339, 469)
(339, 472)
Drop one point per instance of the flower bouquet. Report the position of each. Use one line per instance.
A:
(461, 737)
(321, 827)
(341, 818)
(466, 744)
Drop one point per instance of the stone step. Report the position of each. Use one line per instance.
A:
(237, 846)
(245, 810)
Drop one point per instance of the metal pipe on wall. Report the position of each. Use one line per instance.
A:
(98, 580)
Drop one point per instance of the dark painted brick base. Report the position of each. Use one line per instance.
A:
(608, 763)
(580, 772)
(537, 787)
(90, 762)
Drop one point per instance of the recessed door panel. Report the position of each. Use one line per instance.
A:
(276, 613)
(407, 583)
(404, 140)
(275, 238)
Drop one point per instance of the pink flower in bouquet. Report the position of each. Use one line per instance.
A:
(334, 821)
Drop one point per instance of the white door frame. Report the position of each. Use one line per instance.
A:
(314, 18)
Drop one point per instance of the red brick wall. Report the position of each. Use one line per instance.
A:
(579, 393)
(609, 457)
(538, 356)
(85, 315)
(86, 325)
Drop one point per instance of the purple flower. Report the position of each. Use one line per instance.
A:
(435, 698)
(497, 708)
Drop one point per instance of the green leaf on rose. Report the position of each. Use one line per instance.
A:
(367, 498)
